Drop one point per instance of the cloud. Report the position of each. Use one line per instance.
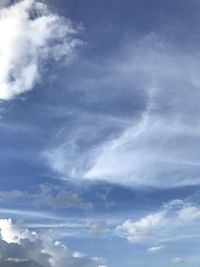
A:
(61, 224)
(189, 213)
(53, 224)
(50, 196)
(99, 228)
(144, 229)
(155, 249)
(156, 146)
(22, 247)
(152, 152)
(178, 260)
(30, 35)
(170, 222)
(58, 197)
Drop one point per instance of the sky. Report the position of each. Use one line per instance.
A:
(99, 133)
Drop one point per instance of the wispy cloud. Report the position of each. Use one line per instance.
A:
(158, 146)
(46, 196)
(99, 228)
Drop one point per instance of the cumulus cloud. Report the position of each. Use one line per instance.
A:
(189, 213)
(30, 35)
(143, 229)
(21, 247)
(162, 225)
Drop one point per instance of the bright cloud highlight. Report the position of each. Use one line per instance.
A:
(30, 35)
(18, 245)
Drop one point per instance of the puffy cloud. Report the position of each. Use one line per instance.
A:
(143, 229)
(189, 213)
(22, 247)
(30, 34)
(162, 225)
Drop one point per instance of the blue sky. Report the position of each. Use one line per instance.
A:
(99, 133)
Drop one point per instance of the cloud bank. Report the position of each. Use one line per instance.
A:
(21, 247)
(30, 35)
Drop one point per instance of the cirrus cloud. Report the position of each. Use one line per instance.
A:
(157, 146)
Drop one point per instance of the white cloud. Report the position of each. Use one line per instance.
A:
(30, 34)
(189, 213)
(144, 229)
(170, 222)
(158, 146)
(19, 245)
(143, 155)
(155, 249)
